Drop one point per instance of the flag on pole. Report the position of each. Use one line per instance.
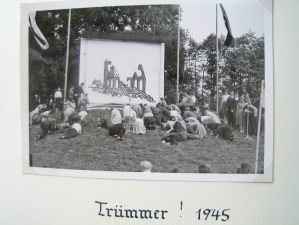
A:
(263, 95)
(230, 40)
(37, 34)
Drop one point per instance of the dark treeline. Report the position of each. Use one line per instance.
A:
(240, 69)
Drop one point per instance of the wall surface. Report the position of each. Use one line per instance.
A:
(125, 58)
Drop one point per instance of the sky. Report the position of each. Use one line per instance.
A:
(200, 19)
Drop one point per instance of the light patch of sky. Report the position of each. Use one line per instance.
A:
(200, 19)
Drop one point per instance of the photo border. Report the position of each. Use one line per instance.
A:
(269, 102)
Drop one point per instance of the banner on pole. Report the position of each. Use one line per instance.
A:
(230, 40)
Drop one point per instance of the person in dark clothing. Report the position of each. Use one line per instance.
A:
(78, 94)
(235, 103)
(225, 131)
(71, 93)
(230, 104)
(257, 105)
(114, 129)
(150, 123)
(47, 126)
(250, 113)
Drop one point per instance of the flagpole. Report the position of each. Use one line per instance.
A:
(178, 58)
(258, 131)
(67, 55)
(217, 58)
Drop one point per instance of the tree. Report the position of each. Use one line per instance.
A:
(243, 67)
(158, 20)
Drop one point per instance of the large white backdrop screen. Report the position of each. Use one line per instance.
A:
(125, 56)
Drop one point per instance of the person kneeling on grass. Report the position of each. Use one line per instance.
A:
(116, 130)
(173, 139)
(210, 118)
(47, 126)
(139, 127)
(195, 127)
(116, 117)
(224, 131)
(74, 131)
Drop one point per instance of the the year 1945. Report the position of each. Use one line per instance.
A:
(213, 213)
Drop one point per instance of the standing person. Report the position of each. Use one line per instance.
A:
(230, 103)
(78, 91)
(256, 103)
(250, 117)
(235, 103)
(224, 106)
(58, 99)
(240, 119)
(71, 93)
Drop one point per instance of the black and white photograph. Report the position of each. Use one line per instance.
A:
(164, 91)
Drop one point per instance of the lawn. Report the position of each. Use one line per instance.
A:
(94, 149)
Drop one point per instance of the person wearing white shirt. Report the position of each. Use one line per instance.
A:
(58, 99)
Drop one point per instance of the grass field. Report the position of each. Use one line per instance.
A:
(94, 149)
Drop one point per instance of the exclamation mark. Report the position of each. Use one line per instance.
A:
(181, 206)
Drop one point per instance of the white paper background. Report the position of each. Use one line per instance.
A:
(37, 199)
